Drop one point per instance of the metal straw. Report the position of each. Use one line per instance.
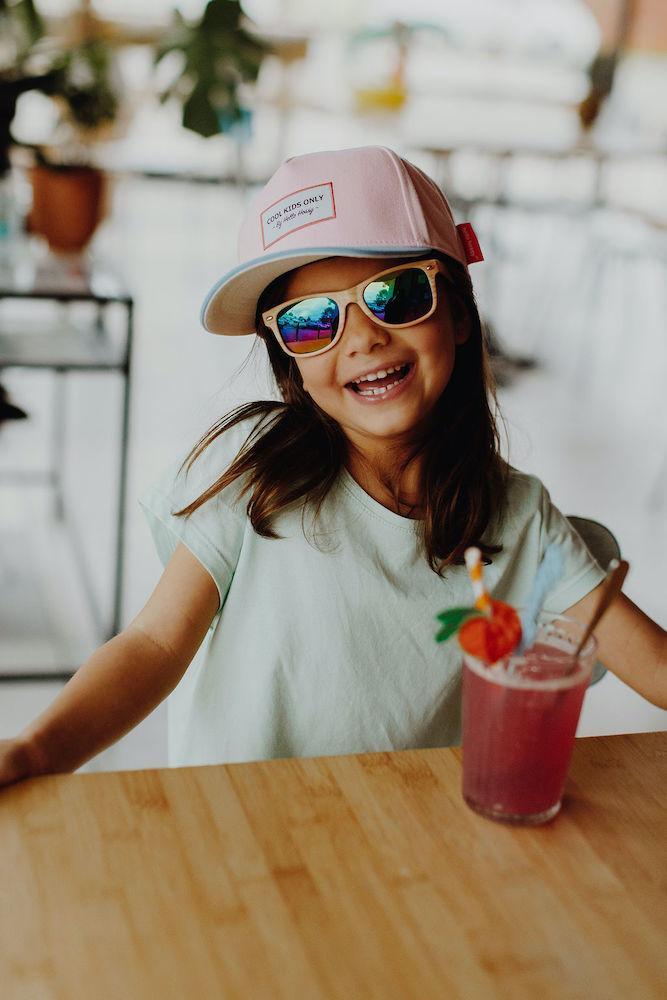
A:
(616, 573)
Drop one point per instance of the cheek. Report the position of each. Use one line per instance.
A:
(439, 350)
(317, 377)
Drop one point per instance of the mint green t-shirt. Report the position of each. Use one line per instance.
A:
(326, 644)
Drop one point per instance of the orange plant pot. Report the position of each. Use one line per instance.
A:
(68, 205)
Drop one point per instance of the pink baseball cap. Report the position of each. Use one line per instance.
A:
(362, 202)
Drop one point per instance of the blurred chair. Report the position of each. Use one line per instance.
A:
(603, 546)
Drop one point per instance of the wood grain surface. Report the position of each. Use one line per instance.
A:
(347, 877)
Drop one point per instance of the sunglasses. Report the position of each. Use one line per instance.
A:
(396, 298)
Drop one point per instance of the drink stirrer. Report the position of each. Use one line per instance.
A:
(616, 573)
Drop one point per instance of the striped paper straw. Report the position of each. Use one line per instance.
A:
(473, 558)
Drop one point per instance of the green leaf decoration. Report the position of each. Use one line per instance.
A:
(452, 619)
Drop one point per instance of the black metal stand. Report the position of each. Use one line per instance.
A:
(67, 348)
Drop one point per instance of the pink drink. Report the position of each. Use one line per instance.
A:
(519, 722)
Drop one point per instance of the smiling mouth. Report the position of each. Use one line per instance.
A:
(378, 387)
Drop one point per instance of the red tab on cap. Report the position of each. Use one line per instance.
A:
(470, 243)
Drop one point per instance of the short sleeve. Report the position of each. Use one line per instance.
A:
(582, 573)
(214, 532)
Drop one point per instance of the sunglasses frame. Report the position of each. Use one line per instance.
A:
(346, 296)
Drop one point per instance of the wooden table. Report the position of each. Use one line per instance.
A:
(350, 877)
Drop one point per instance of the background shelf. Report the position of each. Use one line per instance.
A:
(28, 345)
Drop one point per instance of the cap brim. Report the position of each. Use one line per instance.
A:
(230, 306)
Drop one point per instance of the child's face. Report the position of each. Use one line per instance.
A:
(429, 347)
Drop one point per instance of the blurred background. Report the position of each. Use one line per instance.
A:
(131, 138)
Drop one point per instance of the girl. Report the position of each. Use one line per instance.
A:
(310, 543)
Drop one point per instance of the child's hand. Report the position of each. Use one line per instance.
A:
(15, 762)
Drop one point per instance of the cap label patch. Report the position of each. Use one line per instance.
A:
(470, 243)
(296, 210)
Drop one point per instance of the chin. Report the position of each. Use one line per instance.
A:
(384, 426)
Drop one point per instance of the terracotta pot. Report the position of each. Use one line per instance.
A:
(68, 205)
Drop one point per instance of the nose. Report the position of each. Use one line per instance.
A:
(360, 333)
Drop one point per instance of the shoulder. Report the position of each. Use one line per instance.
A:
(531, 523)
(527, 510)
(525, 495)
(216, 452)
(532, 518)
(199, 468)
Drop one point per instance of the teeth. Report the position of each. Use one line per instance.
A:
(380, 391)
(380, 374)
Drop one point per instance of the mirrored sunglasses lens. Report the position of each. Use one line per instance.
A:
(308, 325)
(400, 298)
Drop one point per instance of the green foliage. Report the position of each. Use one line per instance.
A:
(452, 619)
(84, 82)
(20, 22)
(218, 55)
(81, 76)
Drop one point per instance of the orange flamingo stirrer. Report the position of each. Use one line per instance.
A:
(473, 558)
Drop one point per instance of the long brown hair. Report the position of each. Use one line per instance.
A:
(295, 451)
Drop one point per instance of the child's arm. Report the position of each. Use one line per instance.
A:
(123, 680)
(630, 644)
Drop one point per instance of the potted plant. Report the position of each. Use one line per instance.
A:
(73, 66)
(218, 54)
(69, 190)
(21, 29)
